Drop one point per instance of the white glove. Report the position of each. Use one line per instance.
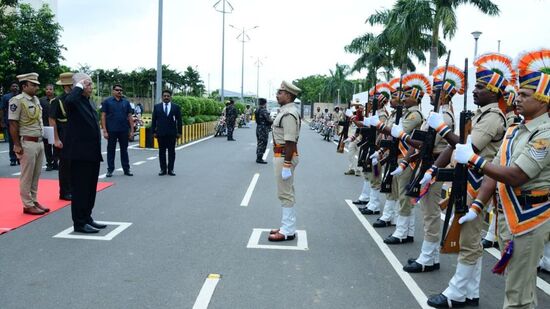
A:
(366, 121)
(375, 157)
(349, 112)
(286, 173)
(398, 171)
(469, 216)
(464, 152)
(396, 130)
(435, 120)
(347, 140)
(427, 178)
(374, 120)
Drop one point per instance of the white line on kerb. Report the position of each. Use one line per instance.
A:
(248, 194)
(195, 142)
(206, 292)
(405, 276)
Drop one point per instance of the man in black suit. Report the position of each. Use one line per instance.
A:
(83, 148)
(167, 127)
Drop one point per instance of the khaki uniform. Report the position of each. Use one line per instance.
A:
(429, 204)
(412, 119)
(26, 110)
(338, 117)
(528, 145)
(286, 127)
(394, 194)
(375, 180)
(488, 129)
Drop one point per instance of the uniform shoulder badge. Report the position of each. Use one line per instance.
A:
(539, 148)
(13, 107)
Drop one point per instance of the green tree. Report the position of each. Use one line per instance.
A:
(312, 88)
(444, 19)
(337, 85)
(192, 82)
(29, 42)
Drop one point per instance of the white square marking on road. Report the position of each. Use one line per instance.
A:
(254, 241)
(121, 227)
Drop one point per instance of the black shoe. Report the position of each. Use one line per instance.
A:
(171, 173)
(18, 162)
(162, 173)
(441, 301)
(261, 161)
(382, 223)
(231, 139)
(109, 174)
(472, 302)
(13, 163)
(97, 225)
(412, 260)
(128, 173)
(49, 168)
(360, 202)
(489, 244)
(542, 270)
(86, 229)
(390, 240)
(55, 166)
(66, 197)
(415, 267)
(367, 211)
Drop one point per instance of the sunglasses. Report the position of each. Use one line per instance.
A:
(118, 90)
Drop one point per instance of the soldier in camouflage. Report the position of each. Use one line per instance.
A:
(263, 126)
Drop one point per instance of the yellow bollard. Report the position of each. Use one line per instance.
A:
(141, 137)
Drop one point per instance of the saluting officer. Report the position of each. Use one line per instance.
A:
(58, 120)
(494, 72)
(286, 129)
(263, 126)
(520, 175)
(25, 118)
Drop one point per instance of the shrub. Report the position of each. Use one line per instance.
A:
(188, 120)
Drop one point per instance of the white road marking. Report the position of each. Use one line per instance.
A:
(265, 154)
(139, 162)
(102, 176)
(253, 242)
(16, 174)
(68, 232)
(405, 276)
(119, 169)
(195, 142)
(4, 151)
(151, 158)
(248, 194)
(206, 292)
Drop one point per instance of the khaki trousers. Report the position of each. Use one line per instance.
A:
(285, 188)
(405, 204)
(521, 279)
(429, 205)
(31, 167)
(375, 181)
(470, 240)
(504, 234)
(393, 195)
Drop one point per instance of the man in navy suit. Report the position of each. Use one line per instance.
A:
(167, 127)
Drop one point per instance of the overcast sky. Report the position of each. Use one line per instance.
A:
(295, 38)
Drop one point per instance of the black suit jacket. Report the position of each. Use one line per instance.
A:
(166, 125)
(82, 137)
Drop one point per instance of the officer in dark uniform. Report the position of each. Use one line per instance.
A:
(263, 122)
(230, 118)
(58, 120)
(51, 158)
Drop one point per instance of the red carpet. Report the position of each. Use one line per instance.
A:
(11, 208)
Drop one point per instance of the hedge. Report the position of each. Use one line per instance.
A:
(197, 110)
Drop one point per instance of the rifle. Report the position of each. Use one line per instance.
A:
(426, 153)
(393, 146)
(345, 129)
(459, 177)
(369, 146)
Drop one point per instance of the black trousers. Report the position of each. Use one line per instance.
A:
(122, 138)
(84, 183)
(167, 143)
(48, 152)
(230, 129)
(13, 157)
(262, 135)
(64, 173)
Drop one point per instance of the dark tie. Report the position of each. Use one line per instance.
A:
(166, 108)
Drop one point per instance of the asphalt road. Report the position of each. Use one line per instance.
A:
(186, 227)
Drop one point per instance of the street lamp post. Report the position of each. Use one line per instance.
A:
(476, 35)
(498, 48)
(319, 97)
(152, 94)
(338, 99)
(243, 38)
(223, 11)
(258, 64)
(159, 53)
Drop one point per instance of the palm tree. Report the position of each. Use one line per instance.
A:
(444, 17)
(337, 84)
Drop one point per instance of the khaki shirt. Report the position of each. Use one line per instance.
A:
(286, 126)
(411, 119)
(488, 131)
(449, 119)
(28, 112)
(530, 152)
(511, 118)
